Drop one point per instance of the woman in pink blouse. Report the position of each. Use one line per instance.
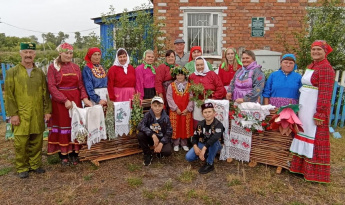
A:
(145, 76)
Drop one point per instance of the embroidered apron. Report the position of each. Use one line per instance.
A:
(102, 93)
(303, 143)
(243, 87)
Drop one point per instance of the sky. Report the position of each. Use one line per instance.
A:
(56, 15)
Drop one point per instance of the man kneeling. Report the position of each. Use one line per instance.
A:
(155, 129)
(206, 139)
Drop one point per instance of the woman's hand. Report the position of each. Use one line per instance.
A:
(318, 122)
(239, 100)
(68, 104)
(87, 102)
(102, 102)
(228, 96)
(178, 111)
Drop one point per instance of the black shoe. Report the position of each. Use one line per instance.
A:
(39, 170)
(23, 175)
(206, 168)
(147, 160)
(160, 156)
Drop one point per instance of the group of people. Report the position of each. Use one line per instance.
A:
(174, 117)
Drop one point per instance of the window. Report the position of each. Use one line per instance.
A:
(203, 28)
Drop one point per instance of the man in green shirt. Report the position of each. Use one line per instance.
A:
(28, 104)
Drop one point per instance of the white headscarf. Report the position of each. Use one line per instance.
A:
(206, 69)
(117, 62)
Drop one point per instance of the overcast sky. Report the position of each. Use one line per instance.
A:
(56, 15)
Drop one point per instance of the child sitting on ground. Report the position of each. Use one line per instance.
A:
(206, 139)
(155, 130)
(178, 97)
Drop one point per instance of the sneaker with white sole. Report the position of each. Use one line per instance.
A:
(176, 148)
(185, 148)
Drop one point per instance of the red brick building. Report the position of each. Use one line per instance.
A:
(217, 24)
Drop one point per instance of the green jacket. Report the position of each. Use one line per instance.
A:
(190, 66)
(27, 97)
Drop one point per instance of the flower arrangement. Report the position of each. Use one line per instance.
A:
(199, 91)
(250, 121)
(136, 113)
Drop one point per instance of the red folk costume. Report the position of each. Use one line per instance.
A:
(163, 78)
(121, 80)
(64, 83)
(317, 168)
(182, 124)
(227, 76)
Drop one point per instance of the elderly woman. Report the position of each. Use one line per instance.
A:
(95, 77)
(311, 148)
(195, 52)
(145, 76)
(210, 80)
(65, 85)
(231, 63)
(121, 78)
(248, 82)
(163, 76)
(282, 86)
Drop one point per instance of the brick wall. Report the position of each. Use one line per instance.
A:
(281, 17)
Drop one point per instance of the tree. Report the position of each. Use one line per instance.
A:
(136, 31)
(322, 23)
(78, 40)
(56, 40)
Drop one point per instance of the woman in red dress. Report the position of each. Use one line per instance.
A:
(163, 75)
(231, 63)
(65, 85)
(311, 148)
(178, 97)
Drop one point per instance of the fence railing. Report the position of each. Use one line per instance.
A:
(337, 118)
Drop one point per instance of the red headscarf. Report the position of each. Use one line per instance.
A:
(191, 51)
(323, 44)
(89, 54)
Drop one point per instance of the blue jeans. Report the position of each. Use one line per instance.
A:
(209, 155)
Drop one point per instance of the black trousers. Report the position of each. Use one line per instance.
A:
(146, 141)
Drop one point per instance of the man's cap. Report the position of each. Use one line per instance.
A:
(27, 45)
(206, 106)
(179, 41)
(158, 99)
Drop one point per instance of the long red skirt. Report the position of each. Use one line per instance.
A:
(318, 168)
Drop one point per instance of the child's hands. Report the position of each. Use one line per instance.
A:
(185, 112)
(159, 147)
(197, 150)
(202, 154)
(155, 140)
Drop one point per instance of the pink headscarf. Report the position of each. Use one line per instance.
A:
(64, 48)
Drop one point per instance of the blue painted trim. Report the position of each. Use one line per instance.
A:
(336, 85)
(337, 116)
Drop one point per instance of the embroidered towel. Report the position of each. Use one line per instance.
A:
(95, 125)
(122, 112)
(240, 142)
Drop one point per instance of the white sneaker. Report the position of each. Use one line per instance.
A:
(176, 148)
(185, 148)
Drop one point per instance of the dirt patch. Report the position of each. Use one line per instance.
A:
(167, 181)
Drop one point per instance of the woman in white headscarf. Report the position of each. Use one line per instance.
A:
(121, 78)
(210, 80)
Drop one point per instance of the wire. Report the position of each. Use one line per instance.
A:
(45, 32)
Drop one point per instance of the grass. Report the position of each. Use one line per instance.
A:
(167, 181)
(134, 181)
(187, 175)
(6, 170)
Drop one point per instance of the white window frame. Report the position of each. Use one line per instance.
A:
(210, 10)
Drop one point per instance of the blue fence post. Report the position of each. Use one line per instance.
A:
(4, 67)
